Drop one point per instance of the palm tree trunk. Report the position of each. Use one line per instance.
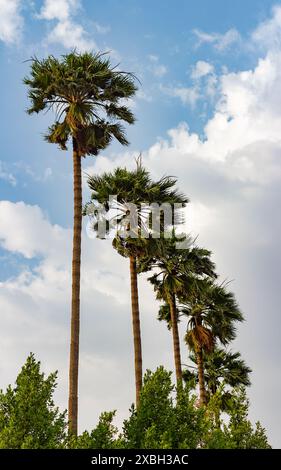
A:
(75, 305)
(136, 328)
(176, 340)
(201, 379)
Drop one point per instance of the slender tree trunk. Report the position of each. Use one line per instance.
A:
(136, 327)
(176, 341)
(202, 389)
(75, 305)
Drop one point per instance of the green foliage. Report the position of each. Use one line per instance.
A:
(179, 270)
(87, 95)
(104, 436)
(129, 187)
(211, 311)
(166, 421)
(223, 367)
(160, 422)
(166, 418)
(28, 416)
(239, 433)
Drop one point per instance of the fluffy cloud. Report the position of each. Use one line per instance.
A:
(221, 42)
(201, 69)
(188, 95)
(247, 112)
(268, 33)
(58, 9)
(67, 31)
(11, 21)
(204, 82)
(19, 233)
(71, 35)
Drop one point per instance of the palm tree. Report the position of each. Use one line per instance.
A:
(225, 368)
(177, 270)
(85, 91)
(222, 366)
(211, 312)
(222, 369)
(133, 187)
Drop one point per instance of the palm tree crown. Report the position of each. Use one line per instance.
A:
(86, 93)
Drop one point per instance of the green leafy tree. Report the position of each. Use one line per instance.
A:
(131, 187)
(161, 423)
(28, 417)
(239, 433)
(87, 94)
(104, 436)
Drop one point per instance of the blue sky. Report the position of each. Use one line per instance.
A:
(208, 111)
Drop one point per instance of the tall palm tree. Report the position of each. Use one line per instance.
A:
(133, 187)
(87, 94)
(211, 312)
(177, 270)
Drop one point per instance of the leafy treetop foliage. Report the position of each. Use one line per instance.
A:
(212, 311)
(163, 422)
(130, 187)
(88, 96)
(179, 265)
(29, 418)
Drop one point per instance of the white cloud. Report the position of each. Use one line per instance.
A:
(142, 95)
(58, 9)
(102, 29)
(212, 85)
(204, 84)
(247, 111)
(201, 69)
(221, 42)
(6, 175)
(19, 232)
(188, 95)
(11, 21)
(67, 31)
(71, 35)
(158, 70)
(42, 177)
(205, 79)
(268, 33)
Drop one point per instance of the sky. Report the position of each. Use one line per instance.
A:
(208, 112)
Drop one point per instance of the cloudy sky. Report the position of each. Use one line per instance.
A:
(209, 112)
